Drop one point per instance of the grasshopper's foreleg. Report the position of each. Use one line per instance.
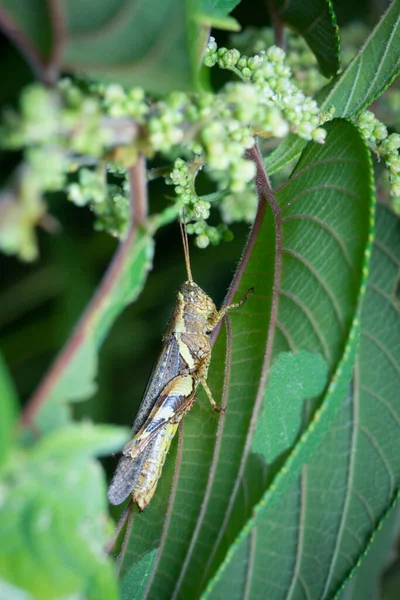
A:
(219, 315)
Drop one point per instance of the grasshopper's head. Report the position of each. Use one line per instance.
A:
(195, 307)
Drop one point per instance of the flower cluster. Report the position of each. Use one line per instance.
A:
(77, 135)
(196, 209)
(105, 190)
(299, 57)
(239, 207)
(285, 106)
(385, 146)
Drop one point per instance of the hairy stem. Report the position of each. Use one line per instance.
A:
(264, 193)
(110, 280)
(279, 34)
(58, 27)
(45, 70)
(24, 45)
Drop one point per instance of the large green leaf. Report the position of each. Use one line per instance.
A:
(365, 79)
(8, 401)
(315, 20)
(134, 43)
(314, 281)
(53, 519)
(155, 44)
(326, 519)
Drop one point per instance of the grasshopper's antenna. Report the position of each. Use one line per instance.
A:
(185, 243)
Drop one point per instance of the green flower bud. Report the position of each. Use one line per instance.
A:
(392, 142)
(201, 209)
(319, 135)
(275, 54)
(380, 131)
(210, 60)
(246, 72)
(202, 241)
(114, 93)
(394, 164)
(254, 62)
(395, 189)
(212, 45)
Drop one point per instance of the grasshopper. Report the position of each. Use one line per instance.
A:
(171, 390)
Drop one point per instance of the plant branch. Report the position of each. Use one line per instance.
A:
(265, 194)
(279, 33)
(24, 45)
(58, 26)
(121, 523)
(110, 281)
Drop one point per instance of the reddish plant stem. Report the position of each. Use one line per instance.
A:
(279, 33)
(24, 45)
(121, 523)
(130, 512)
(264, 193)
(58, 26)
(139, 213)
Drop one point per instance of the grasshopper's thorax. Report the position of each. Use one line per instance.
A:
(194, 309)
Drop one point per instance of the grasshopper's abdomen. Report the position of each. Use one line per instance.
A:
(146, 486)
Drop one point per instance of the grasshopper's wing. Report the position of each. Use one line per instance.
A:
(171, 405)
(166, 368)
(129, 469)
(127, 474)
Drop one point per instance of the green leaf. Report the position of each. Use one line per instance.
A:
(293, 378)
(369, 74)
(131, 43)
(315, 20)
(9, 411)
(12, 592)
(141, 552)
(225, 6)
(336, 508)
(314, 279)
(144, 44)
(213, 13)
(352, 162)
(81, 441)
(54, 525)
(135, 582)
